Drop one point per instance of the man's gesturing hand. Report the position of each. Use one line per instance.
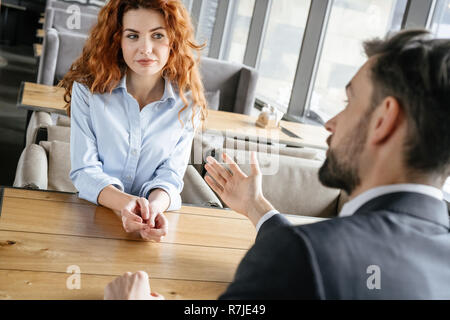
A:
(240, 192)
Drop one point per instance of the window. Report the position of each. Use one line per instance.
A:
(206, 23)
(351, 22)
(440, 24)
(279, 56)
(187, 4)
(241, 17)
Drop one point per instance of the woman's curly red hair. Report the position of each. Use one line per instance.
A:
(101, 65)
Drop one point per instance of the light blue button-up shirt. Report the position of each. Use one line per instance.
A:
(112, 142)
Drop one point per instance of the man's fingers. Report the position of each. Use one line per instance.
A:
(219, 168)
(216, 175)
(255, 164)
(214, 185)
(233, 165)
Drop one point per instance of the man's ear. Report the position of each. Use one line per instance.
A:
(387, 118)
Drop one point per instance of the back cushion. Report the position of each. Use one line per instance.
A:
(70, 48)
(58, 154)
(223, 76)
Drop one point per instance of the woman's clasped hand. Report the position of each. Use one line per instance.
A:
(146, 218)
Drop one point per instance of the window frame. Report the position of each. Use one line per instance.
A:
(418, 14)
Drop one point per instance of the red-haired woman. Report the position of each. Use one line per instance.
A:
(135, 98)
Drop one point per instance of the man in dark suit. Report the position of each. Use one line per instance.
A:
(389, 150)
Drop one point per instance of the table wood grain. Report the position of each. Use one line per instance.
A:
(42, 233)
(243, 127)
(41, 97)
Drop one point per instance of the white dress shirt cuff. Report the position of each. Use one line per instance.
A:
(264, 218)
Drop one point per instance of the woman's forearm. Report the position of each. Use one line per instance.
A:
(113, 198)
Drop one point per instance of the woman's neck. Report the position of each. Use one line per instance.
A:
(145, 89)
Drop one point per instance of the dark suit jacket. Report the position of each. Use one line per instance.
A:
(405, 235)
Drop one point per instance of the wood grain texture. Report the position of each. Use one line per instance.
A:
(54, 253)
(26, 194)
(44, 97)
(244, 125)
(43, 233)
(31, 285)
(92, 221)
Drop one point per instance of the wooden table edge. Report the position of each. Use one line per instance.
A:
(86, 203)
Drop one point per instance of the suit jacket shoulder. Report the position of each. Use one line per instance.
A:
(394, 247)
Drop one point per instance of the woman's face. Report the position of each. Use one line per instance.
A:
(145, 45)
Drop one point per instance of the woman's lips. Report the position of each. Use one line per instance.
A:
(146, 62)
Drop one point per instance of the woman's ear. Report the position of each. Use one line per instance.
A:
(387, 118)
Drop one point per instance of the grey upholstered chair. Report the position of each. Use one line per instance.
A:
(58, 19)
(45, 165)
(59, 51)
(63, 5)
(236, 82)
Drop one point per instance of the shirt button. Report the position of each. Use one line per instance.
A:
(129, 178)
(134, 152)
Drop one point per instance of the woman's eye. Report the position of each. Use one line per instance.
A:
(132, 36)
(158, 36)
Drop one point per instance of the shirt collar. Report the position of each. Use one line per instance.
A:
(169, 92)
(353, 205)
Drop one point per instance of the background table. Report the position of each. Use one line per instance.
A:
(34, 96)
(243, 127)
(43, 233)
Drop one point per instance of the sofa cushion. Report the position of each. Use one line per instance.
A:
(58, 133)
(39, 119)
(196, 191)
(63, 121)
(58, 166)
(31, 169)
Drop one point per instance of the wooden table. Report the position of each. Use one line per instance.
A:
(243, 127)
(37, 48)
(43, 233)
(40, 97)
(40, 33)
(51, 99)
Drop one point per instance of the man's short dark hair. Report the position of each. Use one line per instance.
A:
(414, 68)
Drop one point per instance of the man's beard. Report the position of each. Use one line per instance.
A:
(340, 174)
(341, 167)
